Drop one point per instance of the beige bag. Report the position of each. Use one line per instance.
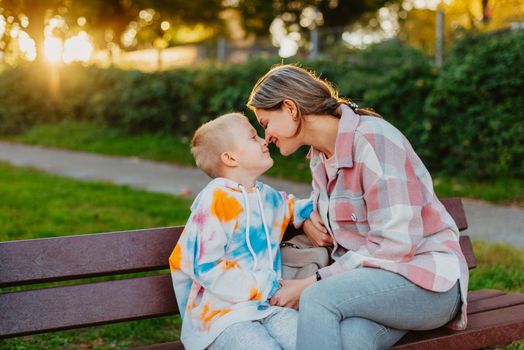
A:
(300, 259)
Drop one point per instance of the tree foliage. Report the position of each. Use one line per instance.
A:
(257, 15)
(418, 26)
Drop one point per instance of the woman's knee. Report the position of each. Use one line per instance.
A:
(311, 295)
(360, 333)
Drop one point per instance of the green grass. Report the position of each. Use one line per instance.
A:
(35, 205)
(499, 266)
(163, 147)
(90, 137)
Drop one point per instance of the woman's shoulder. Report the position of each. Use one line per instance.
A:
(374, 128)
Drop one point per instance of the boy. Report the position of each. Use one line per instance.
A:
(226, 264)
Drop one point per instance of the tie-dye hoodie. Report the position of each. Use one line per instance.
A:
(226, 264)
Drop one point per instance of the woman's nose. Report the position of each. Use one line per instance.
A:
(267, 138)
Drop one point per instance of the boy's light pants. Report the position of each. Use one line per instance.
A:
(276, 331)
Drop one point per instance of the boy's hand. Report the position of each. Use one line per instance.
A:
(289, 294)
(316, 231)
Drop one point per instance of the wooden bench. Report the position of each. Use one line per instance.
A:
(495, 317)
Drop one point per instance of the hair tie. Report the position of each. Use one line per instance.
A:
(353, 106)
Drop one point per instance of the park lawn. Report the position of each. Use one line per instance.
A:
(34, 205)
(89, 137)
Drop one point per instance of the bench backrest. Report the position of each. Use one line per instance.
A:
(73, 258)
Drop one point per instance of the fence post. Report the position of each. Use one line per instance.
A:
(314, 43)
(439, 49)
(221, 49)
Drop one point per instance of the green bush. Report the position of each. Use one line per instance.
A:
(466, 118)
(476, 109)
(398, 88)
(25, 99)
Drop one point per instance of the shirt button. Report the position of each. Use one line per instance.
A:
(354, 217)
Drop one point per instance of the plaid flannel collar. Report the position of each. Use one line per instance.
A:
(349, 122)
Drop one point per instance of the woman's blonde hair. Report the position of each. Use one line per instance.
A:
(310, 94)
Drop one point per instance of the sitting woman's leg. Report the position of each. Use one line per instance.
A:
(378, 295)
(362, 334)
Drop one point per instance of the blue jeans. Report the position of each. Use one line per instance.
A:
(369, 308)
(275, 332)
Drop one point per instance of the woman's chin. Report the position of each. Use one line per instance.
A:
(286, 151)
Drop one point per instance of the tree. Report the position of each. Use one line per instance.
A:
(37, 13)
(108, 16)
(258, 15)
(417, 26)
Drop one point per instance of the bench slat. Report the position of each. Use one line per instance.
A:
(492, 303)
(66, 307)
(455, 208)
(484, 294)
(63, 258)
(467, 250)
(175, 345)
(500, 326)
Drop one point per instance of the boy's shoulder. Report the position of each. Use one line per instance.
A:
(272, 194)
(215, 192)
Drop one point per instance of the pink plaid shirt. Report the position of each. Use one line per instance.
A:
(382, 212)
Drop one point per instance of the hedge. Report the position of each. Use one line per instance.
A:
(476, 108)
(466, 118)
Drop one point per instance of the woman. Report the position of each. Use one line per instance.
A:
(398, 264)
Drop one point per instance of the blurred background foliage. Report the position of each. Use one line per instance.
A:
(466, 117)
(148, 66)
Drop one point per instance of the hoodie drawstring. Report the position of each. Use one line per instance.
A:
(248, 224)
(268, 237)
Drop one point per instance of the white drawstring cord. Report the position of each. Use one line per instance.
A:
(248, 213)
(268, 237)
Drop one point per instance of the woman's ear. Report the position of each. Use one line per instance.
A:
(228, 159)
(290, 107)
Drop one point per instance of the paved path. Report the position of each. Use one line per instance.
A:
(486, 221)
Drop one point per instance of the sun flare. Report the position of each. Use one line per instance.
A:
(76, 48)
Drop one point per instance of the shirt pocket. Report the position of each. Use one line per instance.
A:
(348, 209)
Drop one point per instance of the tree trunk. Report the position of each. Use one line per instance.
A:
(485, 12)
(36, 14)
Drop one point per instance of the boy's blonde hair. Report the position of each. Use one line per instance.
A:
(212, 139)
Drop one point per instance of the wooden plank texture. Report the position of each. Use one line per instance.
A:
(455, 208)
(35, 311)
(493, 303)
(467, 250)
(176, 345)
(62, 258)
(484, 329)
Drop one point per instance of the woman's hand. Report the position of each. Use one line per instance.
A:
(289, 293)
(316, 231)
